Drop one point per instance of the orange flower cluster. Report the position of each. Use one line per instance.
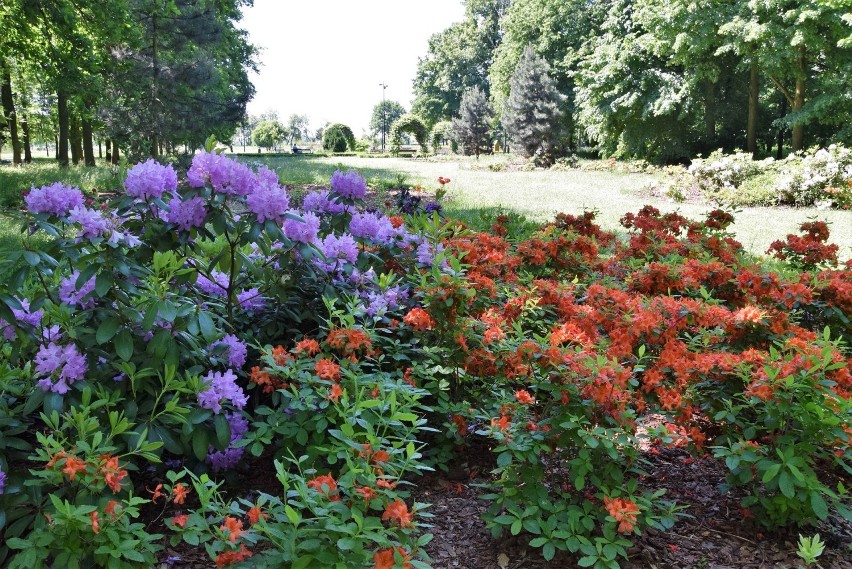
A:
(419, 319)
(106, 467)
(397, 511)
(624, 511)
(349, 341)
(325, 485)
(384, 558)
(230, 557)
(327, 369)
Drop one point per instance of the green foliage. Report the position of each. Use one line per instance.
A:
(442, 132)
(268, 134)
(531, 113)
(472, 128)
(411, 124)
(384, 115)
(338, 137)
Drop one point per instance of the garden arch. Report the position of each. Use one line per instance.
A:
(411, 124)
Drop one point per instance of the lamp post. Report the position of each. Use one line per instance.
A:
(384, 126)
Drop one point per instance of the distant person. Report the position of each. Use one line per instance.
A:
(296, 149)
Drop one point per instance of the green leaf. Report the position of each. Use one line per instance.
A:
(587, 561)
(785, 483)
(223, 431)
(819, 506)
(200, 443)
(106, 330)
(124, 345)
(771, 472)
(548, 551)
(103, 283)
(208, 329)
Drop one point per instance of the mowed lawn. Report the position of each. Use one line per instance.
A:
(540, 195)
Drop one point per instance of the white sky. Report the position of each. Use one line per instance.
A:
(327, 58)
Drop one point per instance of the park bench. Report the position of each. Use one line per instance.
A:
(297, 150)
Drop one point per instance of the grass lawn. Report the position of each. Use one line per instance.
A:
(539, 195)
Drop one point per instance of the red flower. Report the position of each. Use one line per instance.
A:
(325, 485)
(398, 511)
(502, 423)
(234, 527)
(443, 181)
(419, 319)
(327, 369)
(307, 346)
(73, 465)
(523, 397)
(624, 511)
(367, 492)
(179, 493)
(335, 393)
(110, 508)
(113, 473)
(384, 559)
(156, 493)
(255, 514)
(229, 557)
(180, 520)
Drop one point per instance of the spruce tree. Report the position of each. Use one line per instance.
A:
(531, 114)
(472, 128)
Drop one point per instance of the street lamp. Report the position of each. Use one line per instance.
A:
(384, 126)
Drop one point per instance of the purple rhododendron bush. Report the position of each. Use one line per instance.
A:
(161, 344)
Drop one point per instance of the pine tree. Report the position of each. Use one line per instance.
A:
(472, 128)
(531, 114)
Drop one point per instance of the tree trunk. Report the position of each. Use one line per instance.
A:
(753, 107)
(76, 140)
(25, 138)
(709, 115)
(798, 142)
(109, 150)
(62, 143)
(115, 154)
(100, 149)
(9, 112)
(780, 153)
(88, 144)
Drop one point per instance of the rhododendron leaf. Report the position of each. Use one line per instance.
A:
(106, 330)
(771, 472)
(124, 345)
(208, 329)
(32, 258)
(85, 275)
(819, 506)
(785, 483)
(167, 310)
(103, 282)
(223, 431)
(548, 551)
(52, 402)
(200, 443)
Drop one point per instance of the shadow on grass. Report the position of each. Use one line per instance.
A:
(14, 180)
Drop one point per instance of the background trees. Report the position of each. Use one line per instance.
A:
(145, 75)
(269, 133)
(472, 128)
(384, 115)
(659, 79)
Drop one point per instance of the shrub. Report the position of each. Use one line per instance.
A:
(338, 137)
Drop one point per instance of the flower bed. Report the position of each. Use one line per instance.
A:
(163, 338)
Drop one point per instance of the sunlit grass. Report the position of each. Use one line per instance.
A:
(15, 180)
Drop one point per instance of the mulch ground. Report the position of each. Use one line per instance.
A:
(713, 534)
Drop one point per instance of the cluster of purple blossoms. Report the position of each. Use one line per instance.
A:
(71, 295)
(217, 284)
(378, 303)
(186, 214)
(62, 365)
(92, 222)
(21, 316)
(150, 179)
(251, 300)
(304, 231)
(221, 386)
(320, 203)
(433, 206)
(2, 481)
(224, 175)
(349, 185)
(373, 227)
(231, 456)
(337, 250)
(57, 199)
(268, 200)
(234, 350)
(426, 253)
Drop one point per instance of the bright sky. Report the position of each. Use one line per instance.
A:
(327, 58)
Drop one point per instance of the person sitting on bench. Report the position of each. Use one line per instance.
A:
(296, 149)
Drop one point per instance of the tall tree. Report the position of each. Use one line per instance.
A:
(531, 114)
(384, 115)
(472, 128)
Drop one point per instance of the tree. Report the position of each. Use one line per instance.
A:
(297, 125)
(268, 133)
(338, 137)
(531, 115)
(472, 128)
(411, 124)
(384, 115)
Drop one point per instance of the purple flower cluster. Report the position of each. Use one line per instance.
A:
(218, 285)
(378, 303)
(236, 350)
(186, 214)
(433, 206)
(224, 174)
(268, 200)
(231, 456)
(251, 300)
(57, 199)
(62, 365)
(92, 222)
(221, 386)
(320, 203)
(22, 316)
(2, 481)
(304, 231)
(349, 185)
(71, 295)
(337, 250)
(150, 179)
(373, 227)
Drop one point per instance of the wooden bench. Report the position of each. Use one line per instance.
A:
(297, 150)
